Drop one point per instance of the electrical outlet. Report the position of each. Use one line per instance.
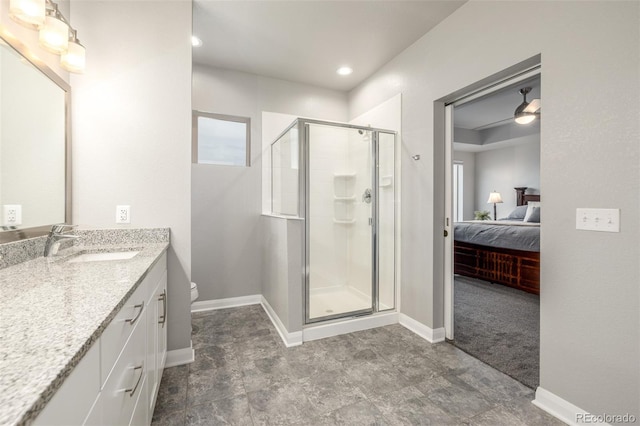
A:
(123, 214)
(12, 214)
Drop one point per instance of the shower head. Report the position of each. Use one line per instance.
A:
(361, 131)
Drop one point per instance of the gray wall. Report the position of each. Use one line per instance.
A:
(226, 201)
(132, 127)
(590, 325)
(282, 284)
(504, 169)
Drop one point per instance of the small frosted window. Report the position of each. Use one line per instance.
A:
(220, 139)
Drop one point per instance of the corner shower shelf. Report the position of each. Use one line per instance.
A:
(344, 222)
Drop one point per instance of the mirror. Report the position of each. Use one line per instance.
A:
(34, 178)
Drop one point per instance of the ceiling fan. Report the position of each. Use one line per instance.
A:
(527, 111)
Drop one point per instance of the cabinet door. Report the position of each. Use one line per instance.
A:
(163, 306)
(126, 382)
(160, 335)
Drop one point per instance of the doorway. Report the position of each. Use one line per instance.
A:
(491, 301)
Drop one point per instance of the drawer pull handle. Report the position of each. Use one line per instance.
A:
(132, 390)
(163, 317)
(134, 319)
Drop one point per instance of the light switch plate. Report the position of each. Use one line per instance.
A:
(123, 214)
(602, 220)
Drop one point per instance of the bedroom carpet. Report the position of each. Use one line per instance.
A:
(500, 326)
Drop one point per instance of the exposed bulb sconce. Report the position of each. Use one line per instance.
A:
(526, 111)
(495, 198)
(415, 157)
(56, 35)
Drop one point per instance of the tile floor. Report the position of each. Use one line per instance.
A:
(244, 375)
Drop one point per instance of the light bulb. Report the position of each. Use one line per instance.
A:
(525, 118)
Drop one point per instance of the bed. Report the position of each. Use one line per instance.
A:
(504, 251)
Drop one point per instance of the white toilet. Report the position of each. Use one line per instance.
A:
(194, 292)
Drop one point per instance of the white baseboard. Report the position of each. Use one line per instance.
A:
(348, 326)
(180, 357)
(429, 334)
(231, 302)
(563, 409)
(289, 339)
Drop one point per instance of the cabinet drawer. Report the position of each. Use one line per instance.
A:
(125, 384)
(118, 331)
(73, 401)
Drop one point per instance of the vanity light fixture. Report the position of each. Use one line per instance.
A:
(56, 35)
(75, 58)
(30, 13)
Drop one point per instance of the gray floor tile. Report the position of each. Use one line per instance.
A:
(331, 390)
(243, 374)
(495, 417)
(228, 411)
(217, 356)
(175, 418)
(212, 385)
(264, 372)
(280, 405)
(456, 398)
(172, 393)
(409, 406)
(360, 413)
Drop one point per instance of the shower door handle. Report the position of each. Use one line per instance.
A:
(366, 196)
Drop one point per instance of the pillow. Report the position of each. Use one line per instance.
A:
(534, 217)
(518, 213)
(532, 205)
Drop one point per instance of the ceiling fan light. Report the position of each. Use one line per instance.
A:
(525, 118)
(29, 13)
(54, 35)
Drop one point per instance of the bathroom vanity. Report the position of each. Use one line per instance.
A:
(84, 335)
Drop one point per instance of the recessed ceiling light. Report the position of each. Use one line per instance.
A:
(344, 70)
(195, 41)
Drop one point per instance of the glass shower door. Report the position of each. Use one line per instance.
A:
(340, 222)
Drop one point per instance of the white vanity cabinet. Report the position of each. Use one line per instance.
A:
(116, 382)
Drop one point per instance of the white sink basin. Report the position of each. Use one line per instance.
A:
(101, 257)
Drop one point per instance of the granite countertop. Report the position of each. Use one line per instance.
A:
(51, 312)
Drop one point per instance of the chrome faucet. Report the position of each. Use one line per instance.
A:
(58, 232)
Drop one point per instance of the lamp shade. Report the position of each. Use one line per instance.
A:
(30, 13)
(54, 35)
(75, 58)
(494, 197)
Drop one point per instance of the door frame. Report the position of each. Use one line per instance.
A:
(506, 78)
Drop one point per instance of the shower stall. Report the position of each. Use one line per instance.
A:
(340, 179)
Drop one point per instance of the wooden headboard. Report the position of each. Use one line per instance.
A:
(523, 199)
